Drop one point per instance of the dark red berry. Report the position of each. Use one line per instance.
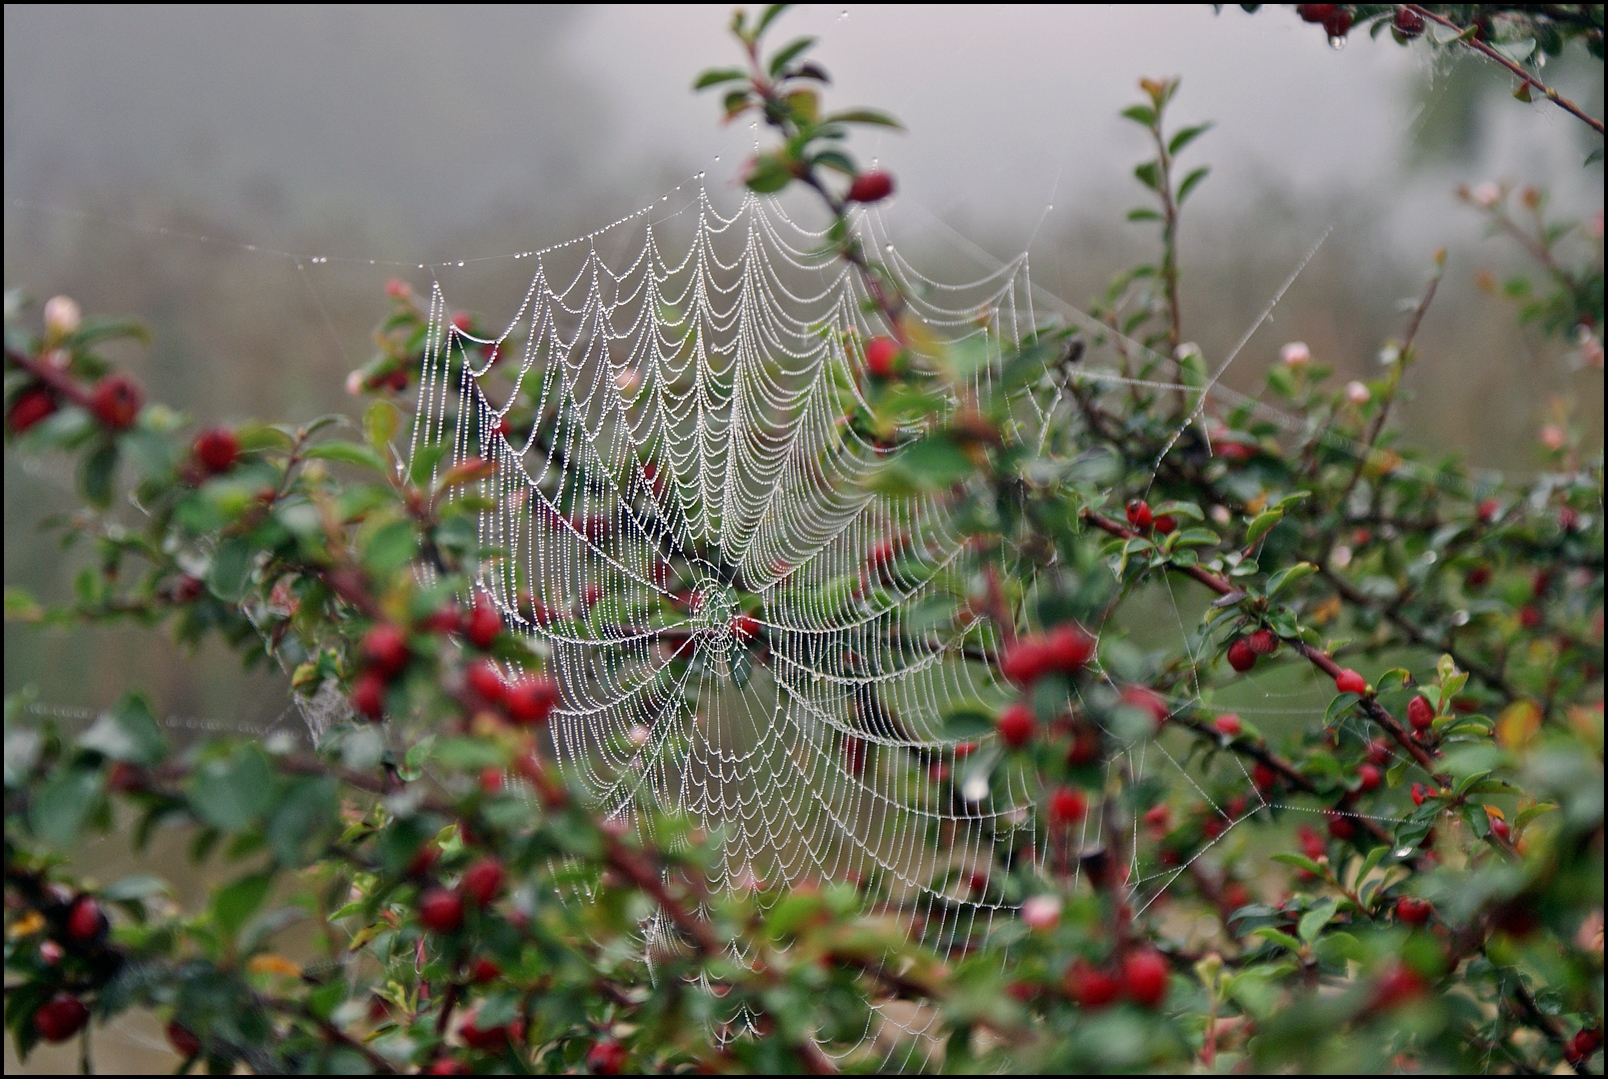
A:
(1368, 777)
(490, 1038)
(484, 623)
(1090, 987)
(1413, 911)
(1419, 793)
(440, 911)
(1145, 973)
(29, 407)
(183, 1040)
(217, 449)
(1067, 806)
(1317, 12)
(1530, 617)
(1337, 24)
(60, 1017)
(1067, 649)
(1379, 752)
(1397, 987)
(1147, 700)
(385, 650)
(1228, 724)
(485, 970)
(1408, 22)
(447, 1066)
(368, 696)
(1312, 844)
(1166, 524)
(1263, 776)
(1343, 828)
(1016, 725)
(882, 357)
(1263, 642)
(486, 681)
(86, 922)
(1488, 510)
(1241, 656)
(116, 401)
(1085, 746)
(1026, 661)
(870, 187)
(1420, 713)
(483, 881)
(1501, 829)
(1139, 515)
(531, 700)
(606, 1057)
(423, 861)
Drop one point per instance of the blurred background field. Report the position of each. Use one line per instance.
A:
(437, 135)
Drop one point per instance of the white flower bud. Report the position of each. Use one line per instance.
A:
(1357, 393)
(62, 317)
(1042, 911)
(1486, 195)
(1295, 354)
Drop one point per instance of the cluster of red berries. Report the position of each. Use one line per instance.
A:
(1140, 976)
(84, 927)
(216, 450)
(1066, 649)
(441, 910)
(1245, 651)
(386, 655)
(114, 401)
(1141, 519)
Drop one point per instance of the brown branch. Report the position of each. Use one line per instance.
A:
(1476, 45)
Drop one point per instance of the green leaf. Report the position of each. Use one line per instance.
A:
(231, 568)
(58, 812)
(1263, 523)
(1283, 940)
(768, 175)
(307, 806)
(1185, 136)
(1313, 921)
(864, 116)
(788, 52)
(1289, 575)
(1143, 214)
(347, 453)
(1190, 182)
(390, 548)
(127, 733)
(469, 754)
(380, 423)
(1140, 114)
(235, 903)
(768, 16)
(1300, 862)
(1149, 174)
(967, 722)
(717, 75)
(95, 474)
(233, 793)
(934, 462)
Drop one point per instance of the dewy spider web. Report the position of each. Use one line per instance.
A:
(689, 459)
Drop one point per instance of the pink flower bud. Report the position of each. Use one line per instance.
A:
(1295, 354)
(1042, 911)
(62, 317)
(1357, 393)
(1486, 195)
(1552, 437)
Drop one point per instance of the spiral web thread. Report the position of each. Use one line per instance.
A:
(690, 462)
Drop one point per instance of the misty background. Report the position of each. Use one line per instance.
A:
(431, 135)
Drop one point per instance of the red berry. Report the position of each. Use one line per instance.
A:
(445, 619)
(86, 922)
(1139, 514)
(1159, 818)
(1067, 806)
(1016, 725)
(486, 681)
(440, 911)
(51, 953)
(1228, 723)
(745, 627)
(1398, 986)
(1379, 752)
(1147, 700)
(531, 700)
(1337, 24)
(183, 1040)
(1349, 681)
(217, 449)
(424, 861)
(447, 1066)
(385, 650)
(490, 1038)
(1067, 649)
(484, 623)
(1501, 829)
(606, 1057)
(368, 696)
(1166, 524)
(1317, 12)
(1368, 777)
(116, 401)
(1090, 987)
(1413, 911)
(870, 187)
(1312, 844)
(1262, 642)
(491, 779)
(1419, 793)
(1145, 973)
(1026, 661)
(882, 357)
(462, 321)
(1529, 617)
(485, 971)
(1488, 510)
(1085, 747)
(1420, 713)
(29, 407)
(1263, 776)
(483, 881)
(1241, 656)
(60, 1017)
(1408, 22)
(1343, 828)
